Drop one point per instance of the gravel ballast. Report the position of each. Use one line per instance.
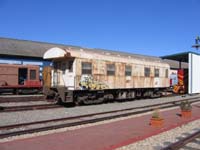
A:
(12, 104)
(164, 139)
(38, 115)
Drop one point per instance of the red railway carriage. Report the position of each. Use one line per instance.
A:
(19, 78)
(182, 85)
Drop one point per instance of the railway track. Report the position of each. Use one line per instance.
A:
(28, 107)
(185, 142)
(32, 127)
(50, 106)
(25, 98)
(28, 98)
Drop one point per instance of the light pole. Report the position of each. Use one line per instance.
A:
(197, 43)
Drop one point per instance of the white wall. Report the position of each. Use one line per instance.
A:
(194, 73)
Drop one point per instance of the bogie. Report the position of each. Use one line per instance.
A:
(87, 97)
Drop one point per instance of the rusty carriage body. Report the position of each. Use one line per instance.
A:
(94, 76)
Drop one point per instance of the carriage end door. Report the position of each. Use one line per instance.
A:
(69, 74)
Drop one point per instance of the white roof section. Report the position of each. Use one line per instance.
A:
(53, 53)
(57, 53)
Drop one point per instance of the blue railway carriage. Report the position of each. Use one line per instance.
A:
(95, 76)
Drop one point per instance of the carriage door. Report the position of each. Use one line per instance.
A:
(68, 76)
(47, 76)
(22, 75)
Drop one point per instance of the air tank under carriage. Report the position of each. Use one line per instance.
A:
(89, 76)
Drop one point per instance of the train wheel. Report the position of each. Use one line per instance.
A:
(57, 99)
(15, 91)
(108, 97)
(79, 100)
(96, 101)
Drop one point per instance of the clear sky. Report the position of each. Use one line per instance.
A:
(150, 27)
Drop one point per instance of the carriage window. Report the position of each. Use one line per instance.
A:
(111, 69)
(156, 73)
(128, 71)
(57, 65)
(166, 73)
(32, 74)
(63, 67)
(86, 68)
(70, 66)
(147, 72)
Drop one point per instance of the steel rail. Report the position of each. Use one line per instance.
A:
(93, 114)
(28, 107)
(21, 99)
(181, 143)
(49, 106)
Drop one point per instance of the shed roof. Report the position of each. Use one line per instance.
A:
(182, 57)
(175, 64)
(26, 48)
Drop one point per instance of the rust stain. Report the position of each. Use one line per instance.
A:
(119, 80)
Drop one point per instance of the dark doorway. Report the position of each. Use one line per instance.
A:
(22, 75)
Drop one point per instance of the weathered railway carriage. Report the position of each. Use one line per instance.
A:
(86, 76)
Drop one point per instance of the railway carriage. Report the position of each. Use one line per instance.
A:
(19, 79)
(94, 76)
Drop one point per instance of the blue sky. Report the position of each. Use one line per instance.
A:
(150, 27)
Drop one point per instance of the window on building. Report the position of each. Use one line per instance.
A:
(166, 73)
(110, 69)
(86, 68)
(128, 71)
(147, 72)
(156, 73)
(32, 74)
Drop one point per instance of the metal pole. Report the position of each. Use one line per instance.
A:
(197, 43)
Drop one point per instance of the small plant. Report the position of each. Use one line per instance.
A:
(185, 106)
(156, 120)
(156, 114)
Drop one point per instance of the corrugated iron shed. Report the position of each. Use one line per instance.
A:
(14, 47)
(175, 64)
(25, 48)
(182, 57)
(193, 60)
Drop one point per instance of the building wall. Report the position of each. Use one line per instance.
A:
(194, 73)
